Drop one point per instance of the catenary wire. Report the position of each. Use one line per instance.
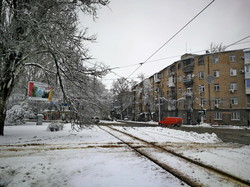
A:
(234, 43)
(171, 38)
(170, 57)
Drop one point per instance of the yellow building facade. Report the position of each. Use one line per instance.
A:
(212, 88)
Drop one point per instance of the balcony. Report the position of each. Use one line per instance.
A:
(171, 84)
(188, 82)
(189, 68)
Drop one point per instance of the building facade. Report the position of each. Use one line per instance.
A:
(213, 87)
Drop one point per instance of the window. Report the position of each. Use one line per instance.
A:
(201, 75)
(179, 78)
(217, 116)
(201, 61)
(234, 101)
(247, 83)
(201, 88)
(217, 101)
(215, 60)
(179, 90)
(216, 87)
(233, 72)
(248, 99)
(247, 68)
(235, 116)
(202, 102)
(216, 73)
(233, 86)
(189, 90)
(247, 55)
(189, 77)
(232, 58)
(157, 77)
(171, 79)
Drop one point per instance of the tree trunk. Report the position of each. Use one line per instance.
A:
(2, 115)
(5, 90)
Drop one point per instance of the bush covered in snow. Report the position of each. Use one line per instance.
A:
(55, 126)
(15, 115)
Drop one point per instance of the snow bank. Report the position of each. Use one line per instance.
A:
(158, 134)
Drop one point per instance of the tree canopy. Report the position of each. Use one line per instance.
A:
(44, 34)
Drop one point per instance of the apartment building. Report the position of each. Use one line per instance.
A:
(213, 87)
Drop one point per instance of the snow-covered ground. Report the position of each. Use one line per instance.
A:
(33, 156)
(206, 125)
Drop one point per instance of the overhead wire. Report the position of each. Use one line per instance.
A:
(170, 57)
(234, 43)
(237, 42)
(170, 38)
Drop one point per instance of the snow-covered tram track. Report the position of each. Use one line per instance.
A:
(12, 150)
(190, 171)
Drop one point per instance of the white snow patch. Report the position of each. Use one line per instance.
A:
(30, 155)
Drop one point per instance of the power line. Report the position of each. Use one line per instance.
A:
(171, 38)
(234, 43)
(170, 57)
(237, 42)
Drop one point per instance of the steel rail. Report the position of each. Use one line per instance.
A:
(169, 169)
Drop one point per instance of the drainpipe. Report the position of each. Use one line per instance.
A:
(209, 93)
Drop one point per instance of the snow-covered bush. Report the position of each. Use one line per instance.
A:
(15, 115)
(55, 126)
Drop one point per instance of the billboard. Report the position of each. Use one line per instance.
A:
(39, 91)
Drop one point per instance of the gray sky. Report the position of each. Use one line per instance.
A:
(132, 30)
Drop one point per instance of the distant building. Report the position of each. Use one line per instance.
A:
(214, 87)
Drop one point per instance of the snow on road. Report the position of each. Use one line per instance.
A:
(31, 155)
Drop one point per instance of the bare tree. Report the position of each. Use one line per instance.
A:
(44, 34)
(214, 48)
(146, 93)
(122, 94)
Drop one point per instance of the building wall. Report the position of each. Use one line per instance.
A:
(214, 83)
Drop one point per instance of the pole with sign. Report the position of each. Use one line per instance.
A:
(39, 92)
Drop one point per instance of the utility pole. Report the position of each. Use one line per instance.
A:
(159, 105)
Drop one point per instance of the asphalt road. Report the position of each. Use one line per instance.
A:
(241, 136)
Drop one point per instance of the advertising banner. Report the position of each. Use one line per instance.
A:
(39, 91)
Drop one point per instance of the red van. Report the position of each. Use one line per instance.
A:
(171, 121)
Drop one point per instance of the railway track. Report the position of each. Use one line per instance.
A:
(190, 171)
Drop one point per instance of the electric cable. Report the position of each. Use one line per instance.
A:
(171, 38)
(170, 57)
(237, 42)
(234, 43)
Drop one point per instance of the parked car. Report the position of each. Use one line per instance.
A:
(171, 121)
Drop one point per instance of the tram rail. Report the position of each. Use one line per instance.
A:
(188, 170)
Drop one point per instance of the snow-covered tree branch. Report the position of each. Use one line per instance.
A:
(43, 33)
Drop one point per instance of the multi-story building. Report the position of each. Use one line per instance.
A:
(213, 87)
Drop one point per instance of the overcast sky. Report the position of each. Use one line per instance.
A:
(130, 31)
